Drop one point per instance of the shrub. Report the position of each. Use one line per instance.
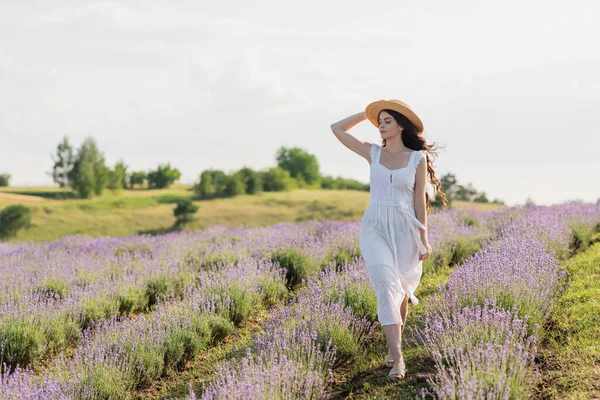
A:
(163, 176)
(184, 210)
(298, 265)
(21, 343)
(4, 179)
(13, 218)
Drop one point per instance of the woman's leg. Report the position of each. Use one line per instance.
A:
(404, 311)
(393, 335)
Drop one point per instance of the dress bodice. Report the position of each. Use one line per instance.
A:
(393, 185)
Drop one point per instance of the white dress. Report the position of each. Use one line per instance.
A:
(389, 236)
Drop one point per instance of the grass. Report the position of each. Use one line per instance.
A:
(570, 351)
(150, 211)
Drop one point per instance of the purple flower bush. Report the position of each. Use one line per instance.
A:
(23, 385)
(481, 327)
(310, 335)
(136, 307)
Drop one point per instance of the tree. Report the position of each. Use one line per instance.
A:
(481, 198)
(118, 179)
(465, 193)
(101, 176)
(163, 176)
(219, 180)
(4, 179)
(137, 178)
(276, 180)
(449, 186)
(89, 174)
(339, 183)
(13, 218)
(234, 186)
(301, 165)
(252, 180)
(63, 163)
(184, 211)
(205, 189)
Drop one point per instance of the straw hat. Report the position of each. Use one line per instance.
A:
(372, 111)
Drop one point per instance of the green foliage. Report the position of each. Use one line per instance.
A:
(219, 181)
(340, 256)
(453, 252)
(133, 300)
(252, 180)
(272, 291)
(454, 191)
(53, 287)
(242, 302)
(150, 363)
(13, 218)
(234, 185)
(464, 247)
(22, 343)
(63, 163)
(117, 177)
(158, 288)
(89, 174)
(181, 345)
(581, 236)
(216, 183)
(97, 308)
(220, 327)
(572, 341)
(107, 382)
(298, 265)
(205, 188)
(301, 165)
(277, 180)
(4, 179)
(184, 211)
(138, 178)
(212, 260)
(163, 176)
(362, 300)
(339, 183)
(348, 345)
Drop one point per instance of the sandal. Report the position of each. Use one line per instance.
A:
(397, 372)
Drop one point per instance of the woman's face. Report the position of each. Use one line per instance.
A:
(388, 127)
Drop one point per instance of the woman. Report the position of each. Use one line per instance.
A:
(393, 230)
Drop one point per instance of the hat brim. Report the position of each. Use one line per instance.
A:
(372, 112)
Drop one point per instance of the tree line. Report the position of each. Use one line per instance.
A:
(85, 172)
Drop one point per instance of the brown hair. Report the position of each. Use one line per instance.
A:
(414, 140)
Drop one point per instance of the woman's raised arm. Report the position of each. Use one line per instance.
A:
(340, 130)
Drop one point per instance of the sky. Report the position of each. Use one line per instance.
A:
(509, 90)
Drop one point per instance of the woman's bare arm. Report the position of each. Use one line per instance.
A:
(420, 188)
(340, 130)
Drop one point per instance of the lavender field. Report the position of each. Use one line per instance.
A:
(108, 318)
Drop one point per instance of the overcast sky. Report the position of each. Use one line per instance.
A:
(510, 89)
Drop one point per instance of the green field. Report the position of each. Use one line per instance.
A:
(144, 211)
(570, 353)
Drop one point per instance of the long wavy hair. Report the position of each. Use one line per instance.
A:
(414, 140)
